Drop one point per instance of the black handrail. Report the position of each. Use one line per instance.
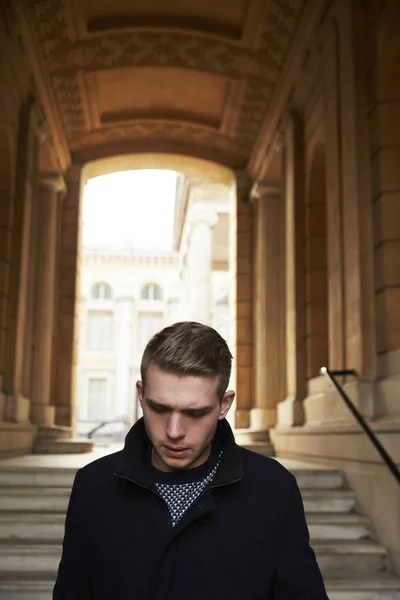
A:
(104, 423)
(330, 376)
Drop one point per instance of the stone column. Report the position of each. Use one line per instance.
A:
(268, 317)
(19, 252)
(124, 403)
(290, 412)
(68, 286)
(240, 298)
(199, 263)
(42, 413)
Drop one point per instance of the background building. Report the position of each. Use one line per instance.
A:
(128, 295)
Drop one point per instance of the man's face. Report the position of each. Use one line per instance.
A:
(181, 415)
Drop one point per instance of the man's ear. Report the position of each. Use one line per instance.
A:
(140, 389)
(226, 404)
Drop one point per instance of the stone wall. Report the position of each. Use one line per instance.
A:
(346, 101)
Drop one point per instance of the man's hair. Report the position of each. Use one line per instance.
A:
(189, 348)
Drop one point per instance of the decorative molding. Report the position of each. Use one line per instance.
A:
(53, 182)
(257, 67)
(308, 19)
(261, 190)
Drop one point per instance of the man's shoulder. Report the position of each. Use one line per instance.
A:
(264, 468)
(99, 469)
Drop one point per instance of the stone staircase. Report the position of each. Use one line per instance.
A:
(33, 501)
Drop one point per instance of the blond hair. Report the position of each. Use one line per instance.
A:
(189, 348)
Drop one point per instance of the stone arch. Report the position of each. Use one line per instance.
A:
(188, 165)
(316, 268)
(70, 219)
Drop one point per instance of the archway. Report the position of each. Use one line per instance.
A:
(201, 170)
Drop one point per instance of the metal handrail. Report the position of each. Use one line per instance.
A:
(330, 376)
(103, 424)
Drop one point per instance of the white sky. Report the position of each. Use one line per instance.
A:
(132, 208)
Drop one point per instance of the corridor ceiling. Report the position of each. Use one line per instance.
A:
(190, 77)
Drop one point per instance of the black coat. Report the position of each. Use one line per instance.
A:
(245, 538)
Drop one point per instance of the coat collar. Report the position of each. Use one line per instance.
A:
(132, 460)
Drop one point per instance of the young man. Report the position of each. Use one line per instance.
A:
(182, 512)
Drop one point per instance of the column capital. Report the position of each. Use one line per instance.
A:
(52, 182)
(264, 189)
(201, 214)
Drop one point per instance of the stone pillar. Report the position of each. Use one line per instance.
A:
(290, 412)
(241, 298)
(42, 413)
(199, 263)
(17, 403)
(68, 285)
(124, 403)
(384, 110)
(334, 213)
(268, 309)
(7, 174)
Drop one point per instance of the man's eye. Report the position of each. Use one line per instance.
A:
(158, 409)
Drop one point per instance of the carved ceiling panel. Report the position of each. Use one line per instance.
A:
(200, 78)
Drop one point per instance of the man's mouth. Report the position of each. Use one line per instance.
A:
(176, 450)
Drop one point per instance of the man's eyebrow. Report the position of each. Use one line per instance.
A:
(155, 403)
(204, 409)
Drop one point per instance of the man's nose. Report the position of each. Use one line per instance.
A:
(175, 429)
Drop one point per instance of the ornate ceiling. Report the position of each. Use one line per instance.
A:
(177, 76)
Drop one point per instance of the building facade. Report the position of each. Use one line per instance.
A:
(295, 106)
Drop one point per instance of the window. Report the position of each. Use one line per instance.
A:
(102, 291)
(97, 399)
(149, 324)
(100, 330)
(151, 291)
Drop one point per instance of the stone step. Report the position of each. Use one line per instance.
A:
(32, 499)
(345, 560)
(53, 432)
(329, 501)
(16, 586)
(32, 526)
(50, 526)
(319, 479)
(55, 446)
(23, 586)
(36, 476)
(383, 587)
(58, 477)
(55, 499)
(15, 556)
(264, 448)
(350, 559)
(244, 437)
(331, 526)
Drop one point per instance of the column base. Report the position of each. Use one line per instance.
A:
(42, 414)
(290, 413)
(64, 415)
(242, 418)
(262, 418)
(17, 409)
